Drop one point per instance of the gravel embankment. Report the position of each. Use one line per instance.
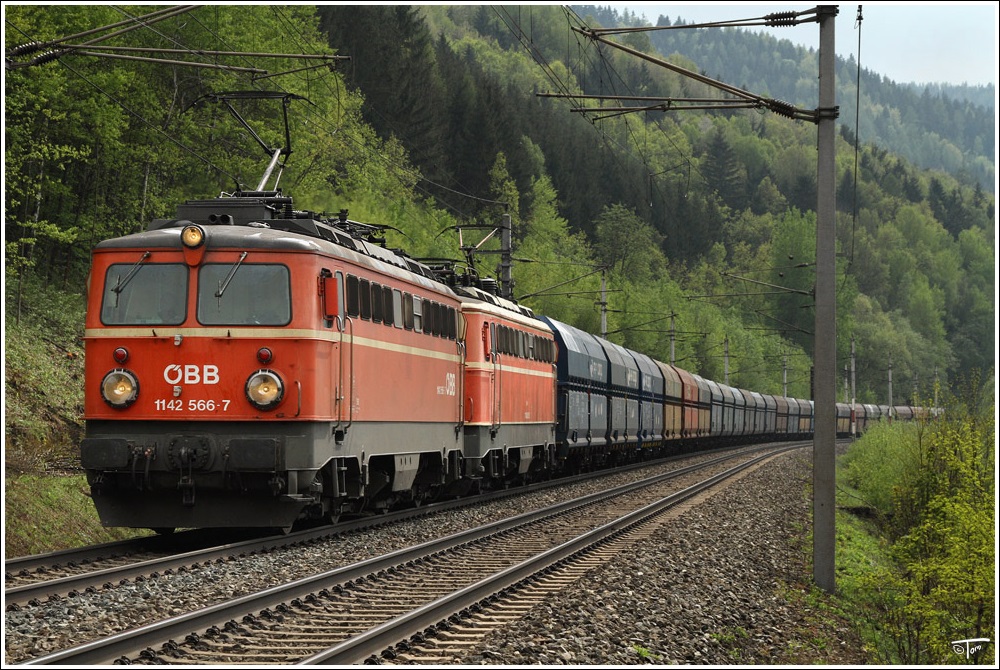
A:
(721, 584)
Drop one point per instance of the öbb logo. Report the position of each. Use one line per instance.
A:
(191, 374)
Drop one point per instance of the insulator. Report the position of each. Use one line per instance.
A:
(47, 57)
(29, 48)
(781, 19)
(782, 108)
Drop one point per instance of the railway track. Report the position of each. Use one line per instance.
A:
(31, 580)
(24, 570)
(348, 614)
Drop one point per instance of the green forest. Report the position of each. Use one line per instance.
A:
(702, 221)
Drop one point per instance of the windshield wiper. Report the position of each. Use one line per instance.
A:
(224, 284)
(123, 281)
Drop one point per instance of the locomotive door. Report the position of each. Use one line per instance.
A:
(495, 376)
(340, 318)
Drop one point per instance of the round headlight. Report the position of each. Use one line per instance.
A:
(120, 388)
(192, 236)
(264, 389)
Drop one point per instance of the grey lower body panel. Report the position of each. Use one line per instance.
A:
(239, 474)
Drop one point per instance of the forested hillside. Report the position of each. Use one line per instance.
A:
(725, 193)
(939, 127)
(435, 121)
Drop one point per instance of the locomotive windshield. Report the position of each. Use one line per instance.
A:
(146, 294)
(255, 294)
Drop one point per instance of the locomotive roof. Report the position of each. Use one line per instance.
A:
(266, 220)
(165, 234)
(493, 304)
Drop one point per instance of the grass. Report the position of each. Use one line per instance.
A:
(860, 552)
(645, 654)
(48, 512)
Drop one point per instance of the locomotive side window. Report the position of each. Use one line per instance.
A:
(376, 303)
(353, 296)
(407, 311)
(452, 326)
(366, 299)
(418, 319)
(244, 294)
(430, 318)
(147, 293)
(397, 308)
(388, 310)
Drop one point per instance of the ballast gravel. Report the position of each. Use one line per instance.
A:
(720, 584)
(723, 583)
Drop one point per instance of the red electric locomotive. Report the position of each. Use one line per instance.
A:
(509, 389)
(249, 365)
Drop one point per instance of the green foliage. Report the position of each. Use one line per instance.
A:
(627, 245)
(884, 462)
(97, 147)
(934, 486)
(746, 181)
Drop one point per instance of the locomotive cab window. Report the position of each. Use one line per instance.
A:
(145, 293)
(340, 298)
(244, 294)
(331, 295)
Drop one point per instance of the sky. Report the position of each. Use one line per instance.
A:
(922, 42)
